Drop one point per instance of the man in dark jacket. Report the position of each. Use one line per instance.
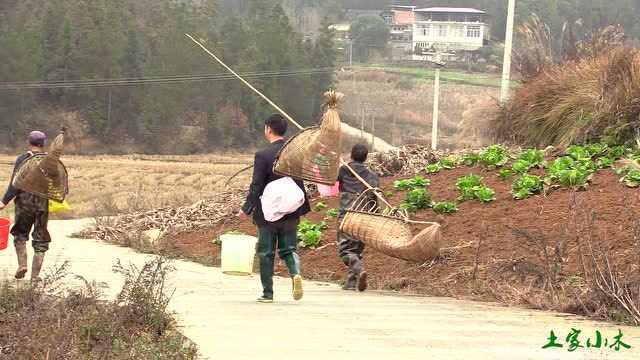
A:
(31, 211)
(350, 250)
(281, 234)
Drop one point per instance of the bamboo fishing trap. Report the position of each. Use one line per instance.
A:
(312, 154)
(389, 230)
(44, 174)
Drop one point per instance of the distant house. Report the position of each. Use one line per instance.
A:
(417, 33)
(341, 31)
(449, 29)
(401, 20)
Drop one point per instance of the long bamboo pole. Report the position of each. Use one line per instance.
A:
(284, 113)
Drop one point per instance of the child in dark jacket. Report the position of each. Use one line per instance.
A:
(31, 211)
(350, 250)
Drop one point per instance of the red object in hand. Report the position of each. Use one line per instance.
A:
(4, 232)
(329, 191)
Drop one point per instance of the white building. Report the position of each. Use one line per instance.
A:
(448, 30)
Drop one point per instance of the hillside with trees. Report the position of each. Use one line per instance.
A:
(123, 74)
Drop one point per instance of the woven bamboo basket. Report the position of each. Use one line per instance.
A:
(313, 154)
(44, 174)
(390, 232)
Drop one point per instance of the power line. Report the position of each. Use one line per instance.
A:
(152, 77)
(154, 80)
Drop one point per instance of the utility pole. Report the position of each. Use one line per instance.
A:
(436, 103)
(508, 47)
(373, 131)
(351, 54)
(436, 97)
(362, 124)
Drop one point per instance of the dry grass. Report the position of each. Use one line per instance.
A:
(50, 321)
(588, 100)
(107, 185)
(587, 92)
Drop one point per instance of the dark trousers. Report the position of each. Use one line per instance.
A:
(284, 238)
(32, 212)
(350, 250)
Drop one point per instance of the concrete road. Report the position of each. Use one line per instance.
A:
(219, 313)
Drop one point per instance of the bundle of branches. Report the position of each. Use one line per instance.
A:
(406, 160)
(202, 214)
(591, 99)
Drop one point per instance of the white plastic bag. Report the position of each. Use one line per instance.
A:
(281, 197)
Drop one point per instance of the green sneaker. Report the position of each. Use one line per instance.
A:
(297, 287)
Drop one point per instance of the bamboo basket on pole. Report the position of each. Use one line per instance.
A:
(390, 231)
(313, 154)
(45, 175)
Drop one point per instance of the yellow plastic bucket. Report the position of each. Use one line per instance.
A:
(58, 207)
(238, 252)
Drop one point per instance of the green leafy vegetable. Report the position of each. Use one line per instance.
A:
(309, 233)
(445, 207)
(468, 181)
(410, 184)
(534, 157)
(525, 186)
(485, 194)
(333, 212)
(494, 156)
(504, 174)
(448, 163)
(605, 162)
(616, 152)
(574, 178)
(417, 199)
(470, 159)
(558, 167)
(467, 186)
(521, 166)
(319, 206)
(434, 168)
(578, 153)
(597, 149)
(632, 178)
